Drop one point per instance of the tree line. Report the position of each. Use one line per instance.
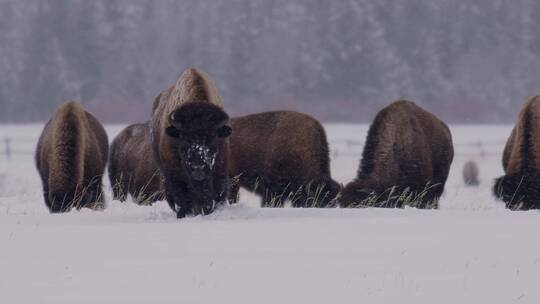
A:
(467, 61)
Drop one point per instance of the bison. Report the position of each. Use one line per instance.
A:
(470, 174)
(189, 135)
(406, 160)
(519, 188)
(132, 168)
(281, 155)
(71, 156)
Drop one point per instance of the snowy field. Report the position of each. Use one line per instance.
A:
(472, 250)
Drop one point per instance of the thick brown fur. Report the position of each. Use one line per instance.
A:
(470, 174)
(156, 102)
(281, 155)
(406, 160)
(71, 156)
(188, 116)
(519, 188)
(132, 168)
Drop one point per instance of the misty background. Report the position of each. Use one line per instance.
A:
(466, 61)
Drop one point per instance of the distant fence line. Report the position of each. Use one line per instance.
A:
(340, 147)
(8, 150)
(352, 143)
(482, 148)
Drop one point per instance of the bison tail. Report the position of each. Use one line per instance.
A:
(518, 191)
(67, 157)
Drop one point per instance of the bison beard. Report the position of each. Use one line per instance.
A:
(195, 198)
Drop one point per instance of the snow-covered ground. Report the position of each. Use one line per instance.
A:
(472, 250)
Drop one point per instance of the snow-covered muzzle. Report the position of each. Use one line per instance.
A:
(200, 160)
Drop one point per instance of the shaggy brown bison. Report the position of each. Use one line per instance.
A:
(132, 168)
(406, 160)
(470, 174)
(190, 144)
(71, 156)
(519, 188)
(281, 155)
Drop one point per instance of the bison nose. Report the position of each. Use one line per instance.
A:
(198, 172)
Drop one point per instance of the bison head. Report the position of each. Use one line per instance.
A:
(197, 129)
(356, 193)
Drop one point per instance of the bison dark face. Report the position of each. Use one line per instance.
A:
(355, 193)
(197, 131)
(198, 151)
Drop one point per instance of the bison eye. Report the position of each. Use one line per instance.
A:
(172, 132)
(224, 131)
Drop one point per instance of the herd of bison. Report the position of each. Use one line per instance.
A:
(191, 154)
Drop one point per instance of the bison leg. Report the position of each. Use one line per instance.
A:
(120, 192)
(48, 202)
(318, 194)
(267, 198)
(93, 195)
(432, 200)
(328, 194)
(223, 194)
(301, 200)
(60, 201)
(272, 198)
(277, 190)
(234, 193)
(428, 202)
(120, 188)
(178, 197)
(178, 210)
(181, 213)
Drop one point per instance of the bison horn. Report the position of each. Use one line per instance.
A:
(224, 131)
(174, 120)
(172, 116)
(222, 122)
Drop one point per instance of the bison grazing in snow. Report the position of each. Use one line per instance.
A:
(519, 188)
(71, 156)
(406, 160)
(281, 155)
(132, 168)
(190, 144)
(470, 174)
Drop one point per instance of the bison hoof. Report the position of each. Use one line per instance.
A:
(180, 213)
